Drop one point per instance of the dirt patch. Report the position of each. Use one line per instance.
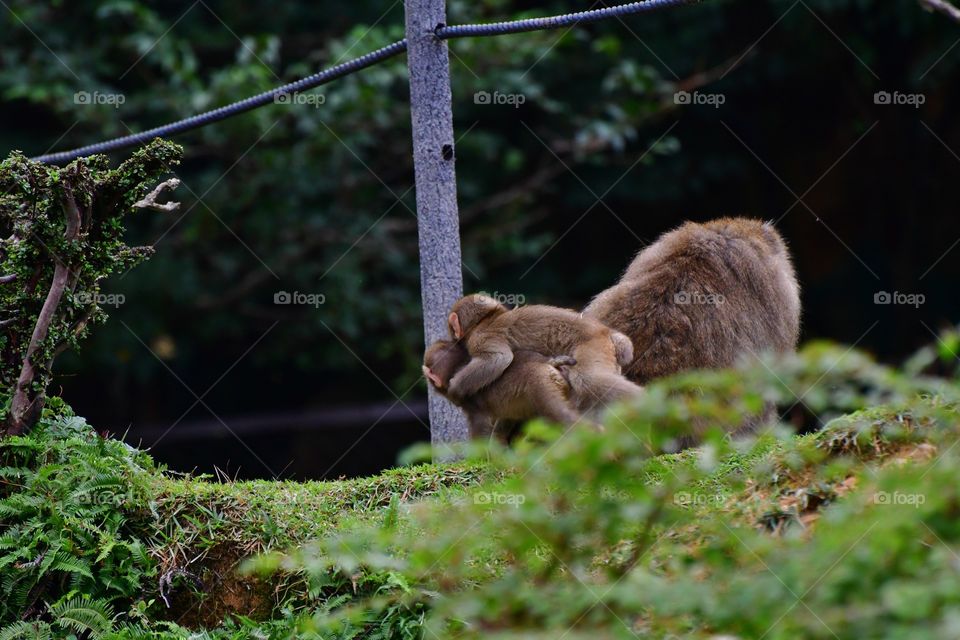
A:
(215, 590)
(804, 504)
(921, 452)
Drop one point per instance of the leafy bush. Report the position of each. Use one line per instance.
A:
(97, 541)
(73, 507)
(589, 534)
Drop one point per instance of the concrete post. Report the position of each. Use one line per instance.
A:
(441, 280)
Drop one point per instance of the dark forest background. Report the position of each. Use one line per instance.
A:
(317, 198)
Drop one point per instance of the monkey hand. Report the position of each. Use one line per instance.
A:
(563, 361)
(482, 370)
(458, 390)
(456, 393)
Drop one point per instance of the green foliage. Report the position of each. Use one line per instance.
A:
(77, 617)
(849, 530)
(89, 527)
(316, 197)
(324, 191)
(590, 532)
(62, 231)
(72, 509)
(83, 616)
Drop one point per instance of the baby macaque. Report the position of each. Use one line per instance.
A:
(701, 296)
(492, 334)
(532, 386)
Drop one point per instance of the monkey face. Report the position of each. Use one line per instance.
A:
(442, 360)
(434, 379)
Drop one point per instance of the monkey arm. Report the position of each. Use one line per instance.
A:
(484, 367)
(562, 361)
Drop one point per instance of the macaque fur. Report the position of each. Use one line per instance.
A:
(534, 385)
(702, 296)
(492, 334)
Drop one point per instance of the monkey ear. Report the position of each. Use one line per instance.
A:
(455, 328)
(432, 377)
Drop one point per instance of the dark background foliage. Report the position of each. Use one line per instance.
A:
(556, 194)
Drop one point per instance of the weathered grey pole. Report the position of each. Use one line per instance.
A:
(441, 279)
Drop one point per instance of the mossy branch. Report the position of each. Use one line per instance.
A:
(64, 229)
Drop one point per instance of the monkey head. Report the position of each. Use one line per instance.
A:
(442, 360)
(468, 311)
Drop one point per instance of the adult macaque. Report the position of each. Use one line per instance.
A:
(701, 296)
(492, 334)
(532, 386)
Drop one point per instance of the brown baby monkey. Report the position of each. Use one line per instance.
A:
(703, 295)
(492, 334)
(532, 386)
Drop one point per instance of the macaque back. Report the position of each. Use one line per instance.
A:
(492, 335)
(548, 330)
(701, 296)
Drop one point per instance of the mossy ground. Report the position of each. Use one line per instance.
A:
(776, 485)
(209, 528)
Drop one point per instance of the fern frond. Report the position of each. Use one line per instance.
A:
(63, 561)
(26, 631)
(83, 615)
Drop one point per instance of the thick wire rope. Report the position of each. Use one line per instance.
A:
(555, 22)
(351, 66)
(205, 118)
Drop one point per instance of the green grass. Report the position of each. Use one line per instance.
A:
(209, 528)
(263, 515)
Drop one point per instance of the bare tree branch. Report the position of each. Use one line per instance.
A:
(150, 200)
(24, 398)
(944, 7)
(8, 278)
